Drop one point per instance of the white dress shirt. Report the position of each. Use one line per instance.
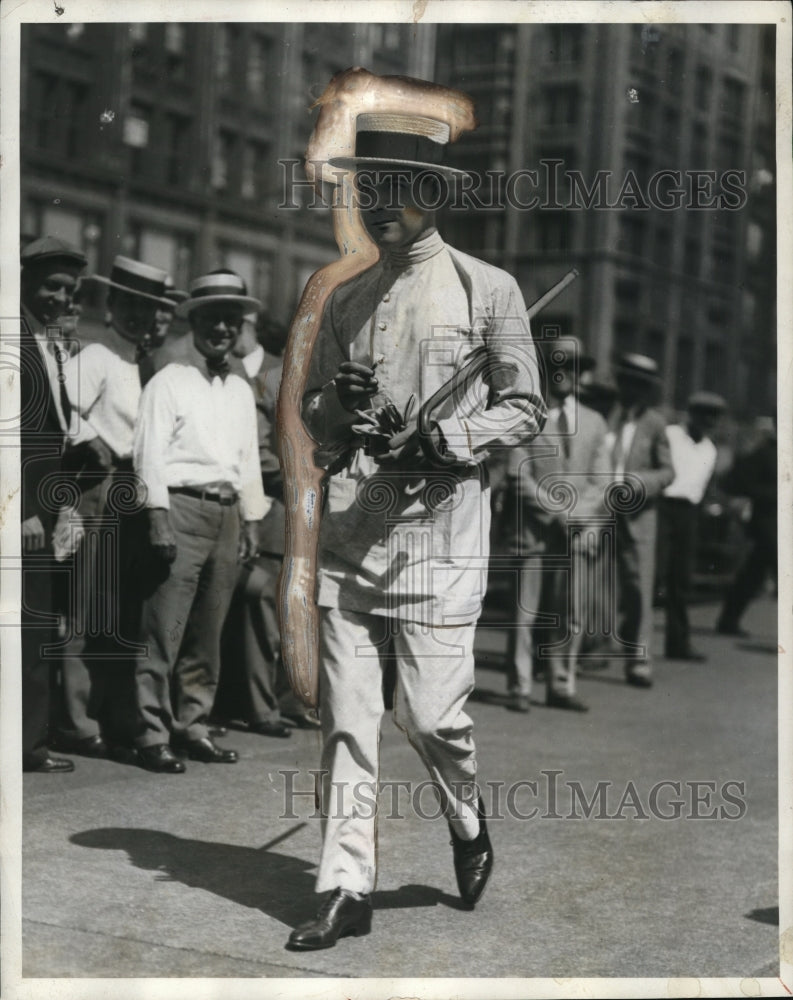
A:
(104, 389)
(194, 432)
(253, 362)
(693, 461)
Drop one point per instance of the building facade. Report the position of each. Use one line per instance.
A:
(652, 147)
(179, 143)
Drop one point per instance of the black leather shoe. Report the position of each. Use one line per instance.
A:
(340, 914)
(303, 720)
(50, 765)
(160, 758)
(639, 679)
(89, 746)
(689, 655)
(206, 751)
(568, 701)
(518, 703)
(277, 729)
(473, 861)
(731, 628)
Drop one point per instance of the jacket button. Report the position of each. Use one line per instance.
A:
(387, 297)
(382, 326)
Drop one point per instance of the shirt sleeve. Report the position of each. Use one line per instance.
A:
(253, 502)
(84, 378)
(153, 429)
(506, 407)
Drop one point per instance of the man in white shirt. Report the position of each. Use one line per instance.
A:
(694, 459)
(103, 383)
(196, 452)
(51, 270)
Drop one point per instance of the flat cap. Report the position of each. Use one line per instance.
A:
(707, 401)
(49, 247)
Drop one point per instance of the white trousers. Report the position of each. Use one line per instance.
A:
(435, 675)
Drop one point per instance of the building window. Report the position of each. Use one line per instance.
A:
(254, 159)
(704, 88)
(258, 60)
(177, 148)
(176, 51)
(626, 336)
(554, 230)
(715, 370)
(227, 55)
(136, 134)
(699, 144)
(632, 234)
(662, 251)
(561, 105)
(627, 292)
(564, 42)
(674, 71)
(221, 160)
(684, 380)
(692, 258)
(732, 101)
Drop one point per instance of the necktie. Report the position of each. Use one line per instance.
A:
(564, 431)
(217, 366)
(145, 364)
(59, 353)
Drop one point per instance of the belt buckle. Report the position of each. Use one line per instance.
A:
(226, 499)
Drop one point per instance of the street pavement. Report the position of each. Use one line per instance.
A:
(130, 874)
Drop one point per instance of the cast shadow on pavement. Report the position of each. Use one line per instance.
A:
(279, 885)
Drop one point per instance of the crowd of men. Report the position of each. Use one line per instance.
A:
(153, 521)
(120, 592)
(151, 508)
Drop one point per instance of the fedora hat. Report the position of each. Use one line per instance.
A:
(637, 366)
(51, 248)
(566, 352)
(219, 286)
(135, 278)
(413, 142)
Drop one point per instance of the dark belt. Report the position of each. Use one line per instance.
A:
(225, 499)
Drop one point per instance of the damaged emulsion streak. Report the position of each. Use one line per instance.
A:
(348, 94)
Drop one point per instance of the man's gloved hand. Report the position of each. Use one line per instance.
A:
(34, 538)
(100, 453)
(249, 541)
(161, 535)
(355, 384)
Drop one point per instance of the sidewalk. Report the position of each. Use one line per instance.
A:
(129, 874)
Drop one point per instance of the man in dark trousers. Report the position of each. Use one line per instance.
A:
(50, 271)
(196, 451)
(694, 459)
(754, 475)
(641, 467)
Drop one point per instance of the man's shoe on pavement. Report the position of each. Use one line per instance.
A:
(639, 675)
(567, 701)
(689, 655)
(518, 703)
(342, 913)
(207, 752)
(473, 861)
(160, 758)
(85, 746)
(49, 765)
(723, 627)
(303, 720)
(278, 729)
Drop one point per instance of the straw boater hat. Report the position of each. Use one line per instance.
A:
(398, 140)
(172, 293)
(710, 402)
(220, 286)
(136, 278)
(637, 366)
